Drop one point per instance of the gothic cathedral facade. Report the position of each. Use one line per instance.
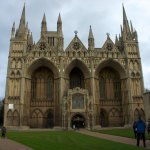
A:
(48, 86)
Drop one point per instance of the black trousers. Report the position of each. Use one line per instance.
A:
(135, 134)
(141, 136)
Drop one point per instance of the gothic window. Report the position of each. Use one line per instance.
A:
(109, 84)
(117, 88)
(76, 78)
(51, 41)
(42, 84)
(102, 88)
(33, 88)
(49, 88)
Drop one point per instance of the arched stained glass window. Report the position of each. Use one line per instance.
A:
(42, 84)
(109, 84)
(76, 78)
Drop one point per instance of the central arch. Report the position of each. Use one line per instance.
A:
(78, 121)
(79, 64)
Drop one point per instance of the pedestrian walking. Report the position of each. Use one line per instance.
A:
(3, 132)
(141, 127)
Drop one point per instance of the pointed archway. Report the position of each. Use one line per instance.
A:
(76, 78)
(80, 65)
(103, 118)
(50, 119)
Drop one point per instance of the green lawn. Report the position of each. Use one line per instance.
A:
(64, 140)
(120, 132)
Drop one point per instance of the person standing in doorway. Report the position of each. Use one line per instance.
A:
(141, 127)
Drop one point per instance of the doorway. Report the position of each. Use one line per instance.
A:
(78, 121)
(50, 120)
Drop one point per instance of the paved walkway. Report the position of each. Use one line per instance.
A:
(6, 144)
(119, 139)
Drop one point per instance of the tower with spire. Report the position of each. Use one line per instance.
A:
(50, 86)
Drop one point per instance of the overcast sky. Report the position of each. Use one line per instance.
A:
(103, 15)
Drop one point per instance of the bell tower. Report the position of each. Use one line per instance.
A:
(128, 41)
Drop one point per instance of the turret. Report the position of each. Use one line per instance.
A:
(91, 44)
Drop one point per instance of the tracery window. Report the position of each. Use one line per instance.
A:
(76, 78)
(102, 88)
(109, 84)
(49, 87)
(42, 84)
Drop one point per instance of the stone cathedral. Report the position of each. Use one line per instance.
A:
(48, 86)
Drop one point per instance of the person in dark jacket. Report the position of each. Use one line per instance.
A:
(141, 127)
(3, 132)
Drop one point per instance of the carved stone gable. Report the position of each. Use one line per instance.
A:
(109, 45)
(42, 44)
(76, 45)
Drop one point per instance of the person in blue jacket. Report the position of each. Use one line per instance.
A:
(141, 127)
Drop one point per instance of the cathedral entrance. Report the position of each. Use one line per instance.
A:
(78, 121)
(50, 120)
(103, 119)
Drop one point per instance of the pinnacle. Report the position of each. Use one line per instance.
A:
(23, 15)
(124, 13)
(91, 33)
(44, 18)
(13, 25)
(59, 19)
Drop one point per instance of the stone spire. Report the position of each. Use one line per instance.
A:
(44, 25)
(126, 27)
(91, 44)
(22, 24)
(21, 31)
(59, 26)
(91, 33)
(59, 19)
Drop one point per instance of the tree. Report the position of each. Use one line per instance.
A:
(1, 113)
(146, 90)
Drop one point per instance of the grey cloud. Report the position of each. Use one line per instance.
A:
(104, 16)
